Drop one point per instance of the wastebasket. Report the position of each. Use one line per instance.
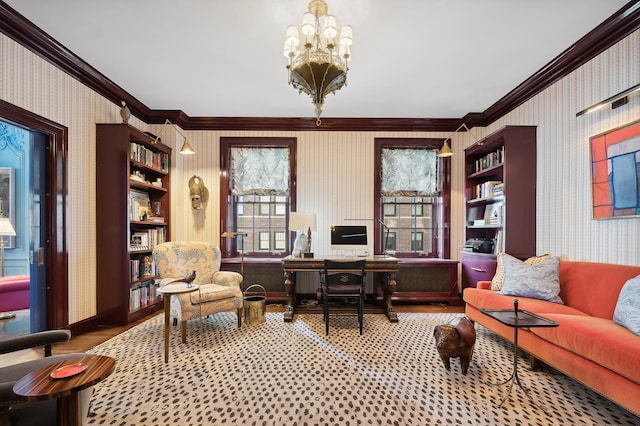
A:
(255, 307)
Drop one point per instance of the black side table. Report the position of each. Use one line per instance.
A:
(517, 319)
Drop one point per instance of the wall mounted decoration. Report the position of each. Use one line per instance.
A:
(615, 172)
(7, 201)
(197, 192)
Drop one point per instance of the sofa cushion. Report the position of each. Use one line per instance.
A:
(597, 339)
(539, 281)
(498, 278)
(627, 312)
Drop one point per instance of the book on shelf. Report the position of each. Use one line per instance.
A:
(139, 205)
(147, 239)
(490, 160)
(498, 242)
(493, 214)
(141, 154)
(490, 188)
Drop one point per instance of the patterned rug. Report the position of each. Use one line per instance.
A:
(278, 373)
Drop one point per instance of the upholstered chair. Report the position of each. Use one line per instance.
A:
(219, 290)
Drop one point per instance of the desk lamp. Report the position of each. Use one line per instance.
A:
(6, 230)
(233, 234)
(302, 221)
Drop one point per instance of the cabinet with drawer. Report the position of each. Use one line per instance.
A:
(477, 267)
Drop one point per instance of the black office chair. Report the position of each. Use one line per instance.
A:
(340, 280)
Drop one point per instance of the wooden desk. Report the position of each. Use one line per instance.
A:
(39, 386)
(386, 265)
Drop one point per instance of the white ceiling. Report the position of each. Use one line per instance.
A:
(411, 58)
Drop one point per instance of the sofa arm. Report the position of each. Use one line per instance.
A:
(227, 278)
(483, 285)
(43, 338)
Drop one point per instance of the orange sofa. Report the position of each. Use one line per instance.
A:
(14, 293)
(587, 345)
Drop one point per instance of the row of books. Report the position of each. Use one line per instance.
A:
(492, 188)
(147, 239)
(141, 267)
(490, 160)
(141, 154)
(143, 294)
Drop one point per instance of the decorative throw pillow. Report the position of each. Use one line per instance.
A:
(498, 278)
(539, 281)
(627, 312)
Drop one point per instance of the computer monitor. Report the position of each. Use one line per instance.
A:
(352, 237)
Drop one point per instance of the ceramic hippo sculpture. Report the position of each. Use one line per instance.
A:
(456, 340)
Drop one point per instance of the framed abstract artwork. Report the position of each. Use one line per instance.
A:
(615, 172)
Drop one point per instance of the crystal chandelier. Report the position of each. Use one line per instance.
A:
(318, 66)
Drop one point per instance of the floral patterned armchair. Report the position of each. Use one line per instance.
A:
(219, 290)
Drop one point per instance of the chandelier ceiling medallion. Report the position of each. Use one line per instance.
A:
(319, 66)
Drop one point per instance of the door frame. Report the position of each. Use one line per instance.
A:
(56, 255)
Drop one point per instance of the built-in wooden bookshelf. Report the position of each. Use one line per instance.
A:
(500, 197)
(132, 202)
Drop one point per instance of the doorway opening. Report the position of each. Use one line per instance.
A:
(40, 200)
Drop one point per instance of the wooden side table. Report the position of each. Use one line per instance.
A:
(167, 291)
(39, 385)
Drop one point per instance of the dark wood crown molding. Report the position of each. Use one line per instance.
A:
(621, 24)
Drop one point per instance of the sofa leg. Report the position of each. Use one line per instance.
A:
(183, 331)
(239, 312)
(534, 362)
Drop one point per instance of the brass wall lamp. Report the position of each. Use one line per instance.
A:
(186, 148)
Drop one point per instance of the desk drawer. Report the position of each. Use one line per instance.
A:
(477, 267)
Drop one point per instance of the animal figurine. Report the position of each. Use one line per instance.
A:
(125, 113)
(456, 340)
(196, 189)
(189, 279)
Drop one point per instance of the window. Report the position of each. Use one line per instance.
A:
(280, 238)
(412, 192)
(255, 195)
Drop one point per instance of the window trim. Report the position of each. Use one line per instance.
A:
(442, 248)
(228, 245)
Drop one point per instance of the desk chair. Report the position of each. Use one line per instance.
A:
(343, 279)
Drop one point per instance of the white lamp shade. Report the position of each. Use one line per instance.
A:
(345, 52)
(302, 221)
(330, 28)
(6, 229)
(292, 38)
(346, 35)
(308, 27)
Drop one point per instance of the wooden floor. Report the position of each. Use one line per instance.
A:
(84, 342)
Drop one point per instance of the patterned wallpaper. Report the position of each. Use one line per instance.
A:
(335, 169)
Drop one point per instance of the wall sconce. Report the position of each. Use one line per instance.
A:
(616, 101)
(302, 221)
(186, 148)
(445, 151)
